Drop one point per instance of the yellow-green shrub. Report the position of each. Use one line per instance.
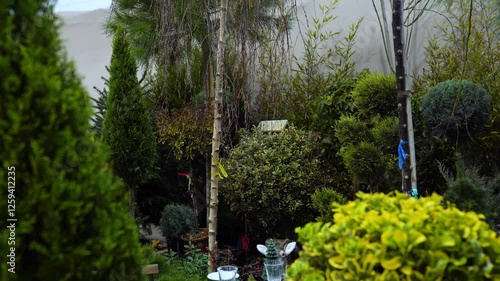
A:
(393, 237)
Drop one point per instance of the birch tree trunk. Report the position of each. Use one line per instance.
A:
(216, 138)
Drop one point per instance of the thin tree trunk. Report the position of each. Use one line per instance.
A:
(132, 200)
(403, 100)
(216, 139)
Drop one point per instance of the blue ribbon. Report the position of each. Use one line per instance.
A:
(401, 153)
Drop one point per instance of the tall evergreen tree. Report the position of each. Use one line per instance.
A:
(67, 215)
(127, 127)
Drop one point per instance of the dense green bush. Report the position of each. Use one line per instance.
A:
(322, 200)
(471, 191)
(177, 220)
(366, 164)
(376, 94)
(393, 237)
(386, 134)
(271, 178)
(351, 130)
(456, 109)
(72, 220)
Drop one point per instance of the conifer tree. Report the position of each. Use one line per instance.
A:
(68, 216)
(127, 127)
(100, 107)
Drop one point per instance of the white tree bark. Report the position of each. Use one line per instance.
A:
(216, 138)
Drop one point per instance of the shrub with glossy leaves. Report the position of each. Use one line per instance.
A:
(456, 109)
(271, 178)
(393, 237)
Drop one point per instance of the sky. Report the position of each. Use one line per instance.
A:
(81, 5)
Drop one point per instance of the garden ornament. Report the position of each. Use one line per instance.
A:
(276, 251)
(284, 251)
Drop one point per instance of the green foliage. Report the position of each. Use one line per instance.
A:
(127, 128)
(351, 130)
(271, 178)
(195, 262)
(188, 132)
(170, 267)
(386, 134)
(365, 163)
(456, 109)
(369, 153)
(375, 93)
(469, 49)
(177, 220)
(318, 78)
(466, 194)
(99, 107)
(72, 221)
(393, 237)
(185, 80)
(369, 136)
(322, 200)
(470, 191)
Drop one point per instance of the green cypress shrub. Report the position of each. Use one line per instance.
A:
(322, 200)
(351, 130)
(386, 134)
(393, 237)
(72, 221)
(99, 107)
(375, 93)
(366, 164)
(127, 127)
(456, 109)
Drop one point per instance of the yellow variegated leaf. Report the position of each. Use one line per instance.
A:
(446, 241)
(391, 264)
(222, 171)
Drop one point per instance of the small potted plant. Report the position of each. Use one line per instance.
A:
(177, 220)
(199, 238)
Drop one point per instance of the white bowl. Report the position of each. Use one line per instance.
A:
(215, 276)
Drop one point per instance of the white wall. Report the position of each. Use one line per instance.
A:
(91, 49)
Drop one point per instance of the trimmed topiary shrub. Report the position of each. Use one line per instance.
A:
(393, 237)
(368, 151)
(386, 134)
(351, 130)
(366, 164)
(177, 220)
(72, 221)
(455, 109)
(375, 93)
